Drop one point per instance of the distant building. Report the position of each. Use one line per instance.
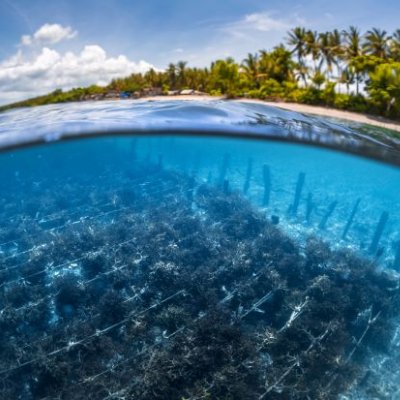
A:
(99, 96)
(87, 97)
(112, 94)
(153, 91)
(125, 95)
(187, 92)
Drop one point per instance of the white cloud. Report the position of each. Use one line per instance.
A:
(262, 22)
(26, 40)
(49, 34)
(24, 76)
(249, 33)
(37, 68)
(265, 22)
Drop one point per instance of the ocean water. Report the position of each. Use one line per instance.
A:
(197, 250)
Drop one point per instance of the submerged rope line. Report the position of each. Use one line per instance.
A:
(222, 301)
(179, 330)
(81, 220)
(58, 266)
(75, 211)
(86, 254)
(98, 333)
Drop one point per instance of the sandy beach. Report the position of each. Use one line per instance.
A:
(300, 108)
(340, 114)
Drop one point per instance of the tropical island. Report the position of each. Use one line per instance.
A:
(346, 70)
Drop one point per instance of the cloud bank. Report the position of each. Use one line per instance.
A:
(32, 72)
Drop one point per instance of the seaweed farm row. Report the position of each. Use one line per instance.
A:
(347, 200)
(124, 274)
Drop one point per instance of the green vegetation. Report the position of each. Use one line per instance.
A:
(346, 70)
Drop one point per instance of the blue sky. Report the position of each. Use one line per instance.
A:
(45, 44)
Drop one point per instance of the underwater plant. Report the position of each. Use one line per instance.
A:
(167, 287)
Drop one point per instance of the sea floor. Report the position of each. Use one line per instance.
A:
(133, 278)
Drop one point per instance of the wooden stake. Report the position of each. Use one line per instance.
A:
(309, 207)
(224, 169)
(327, 215)
(297, 195)
(351, 218)
(248, 176)
(378, 232)
(267, 185)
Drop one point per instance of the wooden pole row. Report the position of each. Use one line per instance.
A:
(310, 204)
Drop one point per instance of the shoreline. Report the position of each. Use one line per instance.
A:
(313, 110)
(367, 119)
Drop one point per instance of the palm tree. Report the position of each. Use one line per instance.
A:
(336, 42)
(394, 46)
(264, 64)
(224, 76)
(181, 68)
(250, 66)
(298, 40)
(347, 77)
(172, 75)
(277, 64)
(327, 52)
(353, 49)
(282, 63)
(352, 40)
(151, 77)
(376, 43)
(312, 46)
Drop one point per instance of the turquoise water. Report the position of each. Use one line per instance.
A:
(174, 258)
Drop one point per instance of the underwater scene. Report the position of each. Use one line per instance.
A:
(165, 255)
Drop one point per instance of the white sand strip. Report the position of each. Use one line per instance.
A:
(300, 108)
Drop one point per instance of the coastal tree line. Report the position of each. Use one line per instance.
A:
(348, 70)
